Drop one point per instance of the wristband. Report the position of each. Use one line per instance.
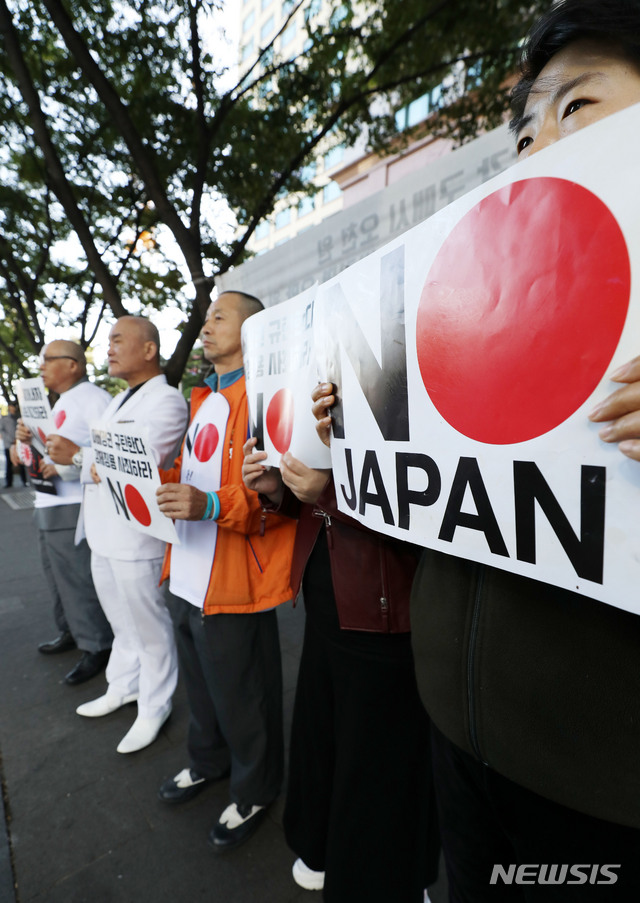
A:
(215, 514)
(208, 509)
(212, 511)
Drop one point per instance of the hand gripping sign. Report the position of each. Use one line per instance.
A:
(129, 479)
(280, 373)
(467, 355)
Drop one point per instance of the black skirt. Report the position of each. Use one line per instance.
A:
(360, 803)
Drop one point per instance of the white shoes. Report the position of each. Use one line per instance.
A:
(104, 705)
(306, 877)
(142, 733)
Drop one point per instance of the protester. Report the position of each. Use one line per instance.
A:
(8, 424)
(126, 563)
(360, 811)
(77, 612)
(535, 690)
(228, 574)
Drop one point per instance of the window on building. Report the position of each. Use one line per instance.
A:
(287, 6)
(418, 110)
(249, 20)
(283, 218)
(308, 44)
(330, 192)
(288, 34)
(247, 50)
(308, 172)
(334, 156)
(305, 207)
(262, 230)
(266, 3)
(266, 29)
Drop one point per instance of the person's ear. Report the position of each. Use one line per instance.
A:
(150, 351)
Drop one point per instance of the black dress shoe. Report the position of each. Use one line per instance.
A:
(62, 643)
(187, 784)
(90, 664)
(236, 824)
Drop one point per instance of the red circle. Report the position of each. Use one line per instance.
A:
(59, 418)
(206, 442)
(137, 505)
(280, 420)
(42, 434)
(522, 310)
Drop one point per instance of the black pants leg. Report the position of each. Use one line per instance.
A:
(233, 675)
(359, 802)
(488, 820)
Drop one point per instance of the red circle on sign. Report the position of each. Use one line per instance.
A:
(522, 310)
(137, 505)
(279, 420)
(59, 418)
(42, 434)
(206, 442)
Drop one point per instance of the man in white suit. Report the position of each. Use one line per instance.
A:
(126, 563)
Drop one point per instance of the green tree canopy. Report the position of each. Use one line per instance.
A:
(122, 141)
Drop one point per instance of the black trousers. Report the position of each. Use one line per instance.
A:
(231, 667)
(487, 820)
(360, 801)
(9, 471)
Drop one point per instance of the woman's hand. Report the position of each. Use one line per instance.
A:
(323, 397)
(622, 410)
(305, 482)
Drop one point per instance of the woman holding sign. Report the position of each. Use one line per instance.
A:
(359, 811)
(533, 689)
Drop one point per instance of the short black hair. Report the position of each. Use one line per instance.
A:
(250, 305)
(613, 23)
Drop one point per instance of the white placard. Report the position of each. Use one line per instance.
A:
(280, 373)
(468, 354)
(35, 410)
(129, 479)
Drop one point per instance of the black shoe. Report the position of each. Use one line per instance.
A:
(62, 643)
(90, 664)
(187, 784)
(236, 824)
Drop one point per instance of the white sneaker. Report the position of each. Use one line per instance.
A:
(306, 877)
(104, 705)
(142, 733)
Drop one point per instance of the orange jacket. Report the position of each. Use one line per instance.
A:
(252, 565)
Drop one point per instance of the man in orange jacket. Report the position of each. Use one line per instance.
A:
(228, 574)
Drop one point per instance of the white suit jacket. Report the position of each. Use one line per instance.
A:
(163, 411)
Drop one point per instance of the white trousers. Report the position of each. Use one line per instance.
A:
(143, 657)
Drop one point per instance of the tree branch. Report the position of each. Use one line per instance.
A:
(59, 181)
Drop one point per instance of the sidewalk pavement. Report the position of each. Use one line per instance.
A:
(83, 823)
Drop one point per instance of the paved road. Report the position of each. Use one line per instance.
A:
(83, 824)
